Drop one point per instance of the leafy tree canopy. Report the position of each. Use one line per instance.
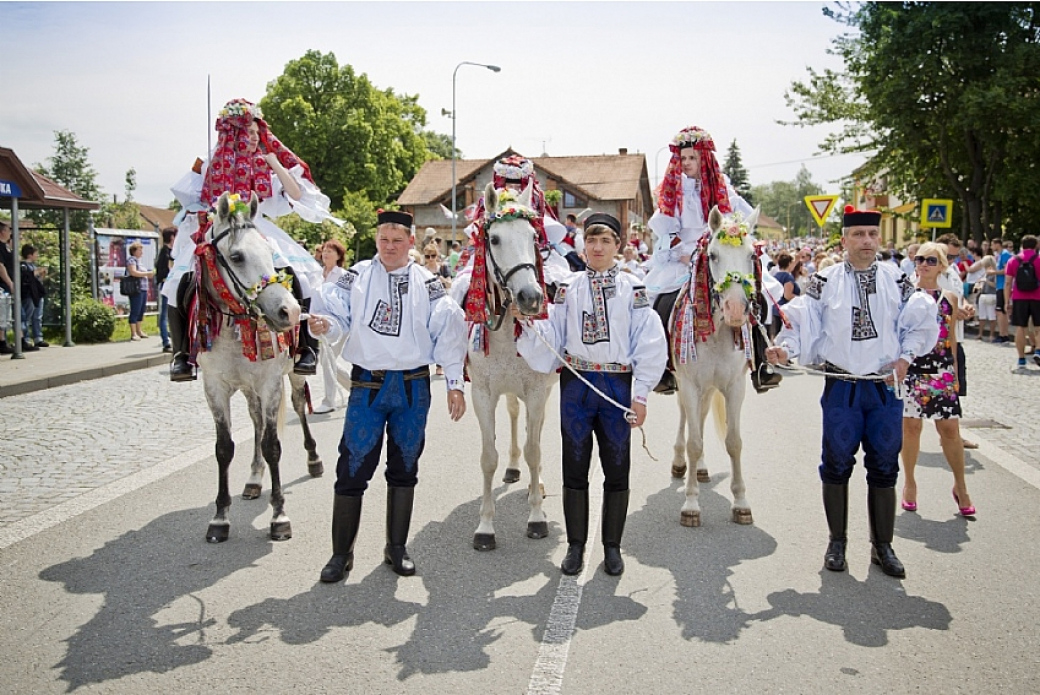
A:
(70, 168)
(784, 201)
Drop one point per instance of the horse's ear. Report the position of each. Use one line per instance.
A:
(254, 205)
(223, 209)
(714, 219)
(752, 219)
(525, 197)
(490, 199)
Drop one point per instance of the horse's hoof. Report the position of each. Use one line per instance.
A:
(316, 469)
(703, 476)
(512, 475)
(484, 541)
(217, 533)
(679, 472)
(281, 530)
(537, 529)
(743, 517)
(690, 519)
(252, 491)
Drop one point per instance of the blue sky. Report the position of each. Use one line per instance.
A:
(577, 78)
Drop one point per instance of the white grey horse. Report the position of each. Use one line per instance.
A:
(715, 378)
(250, 296)
(512, 279)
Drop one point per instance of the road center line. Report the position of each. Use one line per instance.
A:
(30, 526)
(549, 667)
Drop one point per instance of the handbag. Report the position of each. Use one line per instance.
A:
(129, 286)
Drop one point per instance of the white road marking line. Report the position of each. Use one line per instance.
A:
(1012, 464)
(30, 526)
(549, 667)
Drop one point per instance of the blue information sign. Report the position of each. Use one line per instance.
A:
(9, 189)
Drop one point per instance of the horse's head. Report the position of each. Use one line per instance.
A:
(512, 246)
(731, 262)
(245, 263)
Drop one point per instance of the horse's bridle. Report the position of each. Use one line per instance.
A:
(501, 279)
(246, 296)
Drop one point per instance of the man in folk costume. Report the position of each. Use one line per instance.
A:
(602, 324)
(860, 318)
(247, 159)
(692, 185)
(397, 321)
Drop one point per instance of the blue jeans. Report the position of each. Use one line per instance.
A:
(164, 330)
(137, 307)
(32, 318)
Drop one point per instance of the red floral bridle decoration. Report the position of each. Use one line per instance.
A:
(713, 184)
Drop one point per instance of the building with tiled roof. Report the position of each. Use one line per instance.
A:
(617, 184)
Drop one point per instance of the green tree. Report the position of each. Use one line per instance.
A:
(738, 175)
(355, 137)
(784, 201)
(70, 168)
(125, 215)
(945, 95)
(439, 145)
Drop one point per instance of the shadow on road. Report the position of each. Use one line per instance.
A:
(865, 611)
(700, 559)
(141, 573)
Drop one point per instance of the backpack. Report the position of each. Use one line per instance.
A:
(1025, 275)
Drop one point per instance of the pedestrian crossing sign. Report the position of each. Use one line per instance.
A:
(820, 206)
(936, 213)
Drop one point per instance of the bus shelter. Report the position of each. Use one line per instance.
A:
(23, 188)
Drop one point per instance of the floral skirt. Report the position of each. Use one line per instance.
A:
(932, 396)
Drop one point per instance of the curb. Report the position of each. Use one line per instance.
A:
(31, 385)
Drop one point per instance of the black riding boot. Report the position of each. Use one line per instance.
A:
(763, 376)
(346, 519)
(398, 519)
(177, 317)
(663, 305)
(881, 507)
(836, 506)
(615, 510)
(306, 345)
(576, 517)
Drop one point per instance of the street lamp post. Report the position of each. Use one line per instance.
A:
(454, 180)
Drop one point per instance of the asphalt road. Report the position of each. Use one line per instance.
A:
(114, 589)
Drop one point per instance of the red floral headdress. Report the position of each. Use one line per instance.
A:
(232, 168)
(713, 185)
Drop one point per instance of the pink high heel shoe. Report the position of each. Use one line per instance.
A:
(909, 506)
(965, 511)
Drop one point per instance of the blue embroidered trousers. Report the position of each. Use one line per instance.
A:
(584, 413)
(855, 413)
(399, 408)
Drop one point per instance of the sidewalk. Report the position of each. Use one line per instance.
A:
(58, 366)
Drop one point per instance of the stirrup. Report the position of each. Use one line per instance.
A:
(183, 371)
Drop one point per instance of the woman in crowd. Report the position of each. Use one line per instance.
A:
(136, 268)
(931, 387)
(333, 254)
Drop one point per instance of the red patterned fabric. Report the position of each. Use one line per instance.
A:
(713, 184)
(232, 168)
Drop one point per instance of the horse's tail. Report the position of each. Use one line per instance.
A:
(718, 410)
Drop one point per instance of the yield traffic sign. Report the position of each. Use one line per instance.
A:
(820, 206)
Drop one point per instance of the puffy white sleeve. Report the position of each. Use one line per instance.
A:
(313, 205)
(649, 346)
(333, 300)
(918, 326)
(447, 326)
(665, 228)
(736, 202)
(188, 192)
(460, 285)
(553, 330)
(804, 313)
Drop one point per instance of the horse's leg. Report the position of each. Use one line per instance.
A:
(484, 407)
(512, 474)
(273, 403)
(693, 403)
(702, 468)
(256, 469)
(537, 525)
(219, 398)
(741, 510)
(299, 402)
(679, 458)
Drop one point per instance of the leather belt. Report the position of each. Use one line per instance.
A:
(378, 376)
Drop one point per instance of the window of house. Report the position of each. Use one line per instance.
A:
(572, 201)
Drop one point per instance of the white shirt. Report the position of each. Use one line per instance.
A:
(395, 321)
(604, 318)
(829, 324)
